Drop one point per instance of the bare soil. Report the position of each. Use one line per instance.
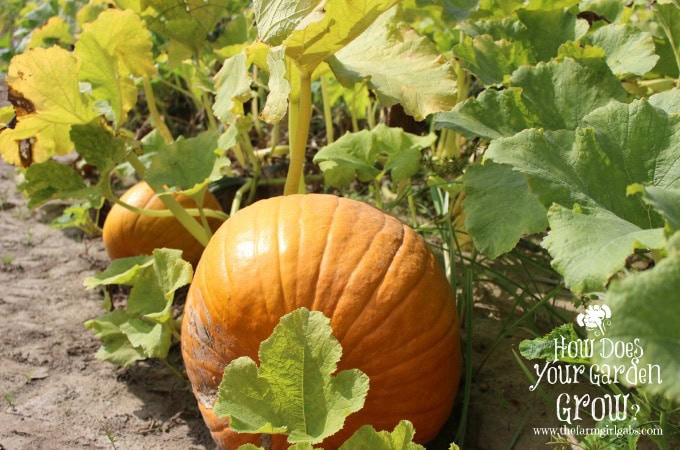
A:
(54, 394)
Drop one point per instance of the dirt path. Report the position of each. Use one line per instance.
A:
(53, 393)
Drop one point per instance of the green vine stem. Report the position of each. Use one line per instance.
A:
(193, 212)
(236, 203)
(327, 114)
(136, 164)
(212, 123)
(141, 171)
(153, 110)
(299, 139)
(254, 160)
(353, 114)
(185, 219)
(199, 198)
(254, 106)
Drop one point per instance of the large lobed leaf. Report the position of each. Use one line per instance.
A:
(423, 86)
(644, 308)
(357, 155)
(144, 328)
(551, 96)
(294, 390)
(592, 167)
(554, 96)
(330, 27)
(46, 83)
(112, 49)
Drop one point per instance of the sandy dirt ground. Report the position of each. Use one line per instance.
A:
(54, 394)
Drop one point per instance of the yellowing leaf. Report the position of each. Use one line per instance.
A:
(400, 65)
(48, 78)
(232, 84)
(112, 48)
(46, 94)
(331, 26)
(54, 30)
(276, 19)
(279, 88)
(38, 140)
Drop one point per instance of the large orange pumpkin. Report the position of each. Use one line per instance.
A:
(127, 233)
(388, 299)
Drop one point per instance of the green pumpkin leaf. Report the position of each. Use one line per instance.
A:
(544, 347)
(592, 167)
(668, 16)
(452, 9)
(548, 29)
(113, 48)
(186, 165)
(153, 339)
(560, 93)
(628, 50)
(367, 438)
(641, 314)
(521, 211)
(590, 247)
(493, 49)
(666, 201)
(330, 27)
(172, 272)
(492, 60)
(145, 327)
(187, 22)
(293, 391)
(78, 216)
(116, 347)
(120, 271)
(357, 154)
(553, 96)
(669, 101)
(620, 441)
(423, 86)
(97, 144)
(51, 180)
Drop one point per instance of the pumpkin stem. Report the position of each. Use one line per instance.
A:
(299, 139)
(153, 111)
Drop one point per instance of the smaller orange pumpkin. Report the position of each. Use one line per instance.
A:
(127, 233)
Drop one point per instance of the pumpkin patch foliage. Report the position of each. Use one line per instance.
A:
(388, 169)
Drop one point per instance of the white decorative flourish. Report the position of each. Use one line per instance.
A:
(596, 317)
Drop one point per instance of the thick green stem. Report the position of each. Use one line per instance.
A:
(141, 171)
(199, 199)
(353, 115)
(327, 114)
(153, 110)
(136, 164)
(236, 203)
(255, 106)
(297, 154)
(275, 138)
(205, 102)
(185, 219)
(250, 152)
(377, 187)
